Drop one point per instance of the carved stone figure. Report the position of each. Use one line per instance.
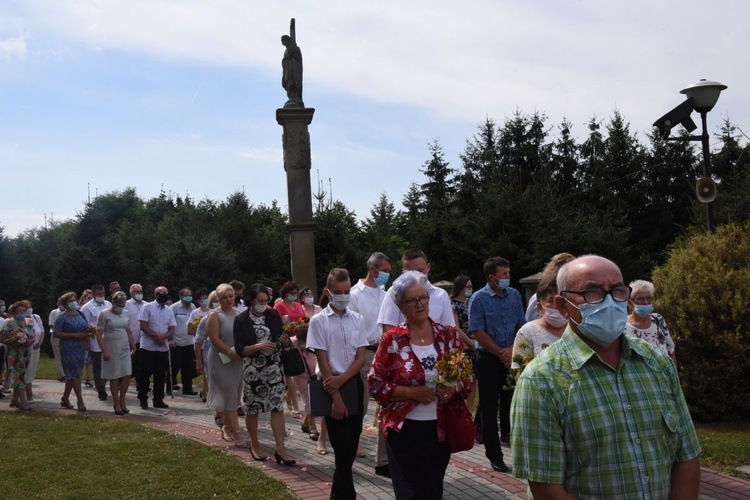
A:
(291, 64)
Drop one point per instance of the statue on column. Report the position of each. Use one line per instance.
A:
(291, 64)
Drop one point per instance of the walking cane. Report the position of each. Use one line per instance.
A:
(171, 386)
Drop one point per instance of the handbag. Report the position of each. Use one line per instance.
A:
(291, 361)
(459, 426)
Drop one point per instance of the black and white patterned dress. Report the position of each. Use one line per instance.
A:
(263, 376)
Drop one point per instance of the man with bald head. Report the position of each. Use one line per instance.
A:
(600, 414)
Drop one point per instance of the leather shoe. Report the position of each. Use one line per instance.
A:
(505, 439)
(383, 470)
(499, 465)
(160, 404)
(102, 396)
(189, 393)
(144, 403)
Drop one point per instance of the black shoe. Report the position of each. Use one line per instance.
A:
(160, 404)
(144, 403)
(102, 396)
(189, 393)
(176, 387)
(505, 439)
(383, 470)
(240, 412)
(499, 465)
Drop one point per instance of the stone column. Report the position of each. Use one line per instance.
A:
(297, 163)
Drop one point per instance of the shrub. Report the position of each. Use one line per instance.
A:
(703, 290)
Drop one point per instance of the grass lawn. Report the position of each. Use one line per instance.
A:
(726, 445)
(52, 456)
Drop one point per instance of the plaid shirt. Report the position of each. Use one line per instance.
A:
(396, 364)
(601, 433)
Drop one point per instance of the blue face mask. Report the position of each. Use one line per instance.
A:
(2, 309)
(204, 303)
(382, 278)
(73, 305)
(292, 297)
(188, 298)
(643, 311)
(503, 284)
(602, 323)
(20, 317)
(118, 310)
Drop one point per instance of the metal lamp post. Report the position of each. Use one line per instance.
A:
(701, 97)
(705, 94)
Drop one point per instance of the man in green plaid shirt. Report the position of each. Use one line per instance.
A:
(599, 414)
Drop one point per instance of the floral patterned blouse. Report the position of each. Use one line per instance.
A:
(396, 364)
(657, 334)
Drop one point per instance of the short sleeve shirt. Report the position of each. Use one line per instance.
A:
(133, 307)
(339, 336)
(181, 316)
(366, 300)
(91, 311)
(601, 432)
(441, 310)
(496, 314)
(159, 318)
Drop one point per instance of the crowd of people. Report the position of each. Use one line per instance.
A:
(585, 394)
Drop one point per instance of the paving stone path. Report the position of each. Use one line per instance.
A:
(469, 475)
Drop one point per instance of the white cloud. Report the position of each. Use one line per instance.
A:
(13, 49)
(262, 154)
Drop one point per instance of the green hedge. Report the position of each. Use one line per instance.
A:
(703, 291)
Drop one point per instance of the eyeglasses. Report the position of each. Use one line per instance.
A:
(596, 295)
(424, 300)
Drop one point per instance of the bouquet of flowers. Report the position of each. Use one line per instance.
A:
(292, 328)
(453, 367)
(20, 338)
(90, 331)
(197, 321)
(523, 356)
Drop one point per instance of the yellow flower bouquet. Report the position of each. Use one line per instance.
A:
(453, 367)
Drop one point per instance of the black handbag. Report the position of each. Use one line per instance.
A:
(291, 361)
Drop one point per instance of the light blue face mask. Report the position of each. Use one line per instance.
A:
(643, 310)
(602, 323)
(382, 278)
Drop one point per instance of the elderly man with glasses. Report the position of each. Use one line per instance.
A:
(599, 414)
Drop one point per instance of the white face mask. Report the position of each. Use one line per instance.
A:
(214, 305)
(553, 317)
(138, 296)
(99, 300)
(340, 300)
(309, 300)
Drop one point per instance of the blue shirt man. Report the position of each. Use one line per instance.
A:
(495, 315)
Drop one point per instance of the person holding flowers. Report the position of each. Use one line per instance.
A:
(18, 336)
(70, 327)
(405, 380)
(258, 337)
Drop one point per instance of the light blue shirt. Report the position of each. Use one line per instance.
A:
(498, 315)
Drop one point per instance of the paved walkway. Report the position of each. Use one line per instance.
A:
(468, 475)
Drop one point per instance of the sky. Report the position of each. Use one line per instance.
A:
(181, 96)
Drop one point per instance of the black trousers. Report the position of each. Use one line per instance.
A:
(183, 361)
(154, 363)
(492, 375)
(344, 435)
(417, 460)
(96, 365)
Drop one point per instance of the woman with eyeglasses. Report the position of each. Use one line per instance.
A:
(644, 323)
(403, 379)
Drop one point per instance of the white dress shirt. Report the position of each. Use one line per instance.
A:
(91, 312)
(339, 336)
(440, 308)
(181, 316)
(133, 307)
(366, 300)
(159, 318)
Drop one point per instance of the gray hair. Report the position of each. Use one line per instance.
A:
(134, 285)
(640, 286)
(407, 280)
(376, 259)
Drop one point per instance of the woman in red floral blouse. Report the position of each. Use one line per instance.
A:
(403, 379)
